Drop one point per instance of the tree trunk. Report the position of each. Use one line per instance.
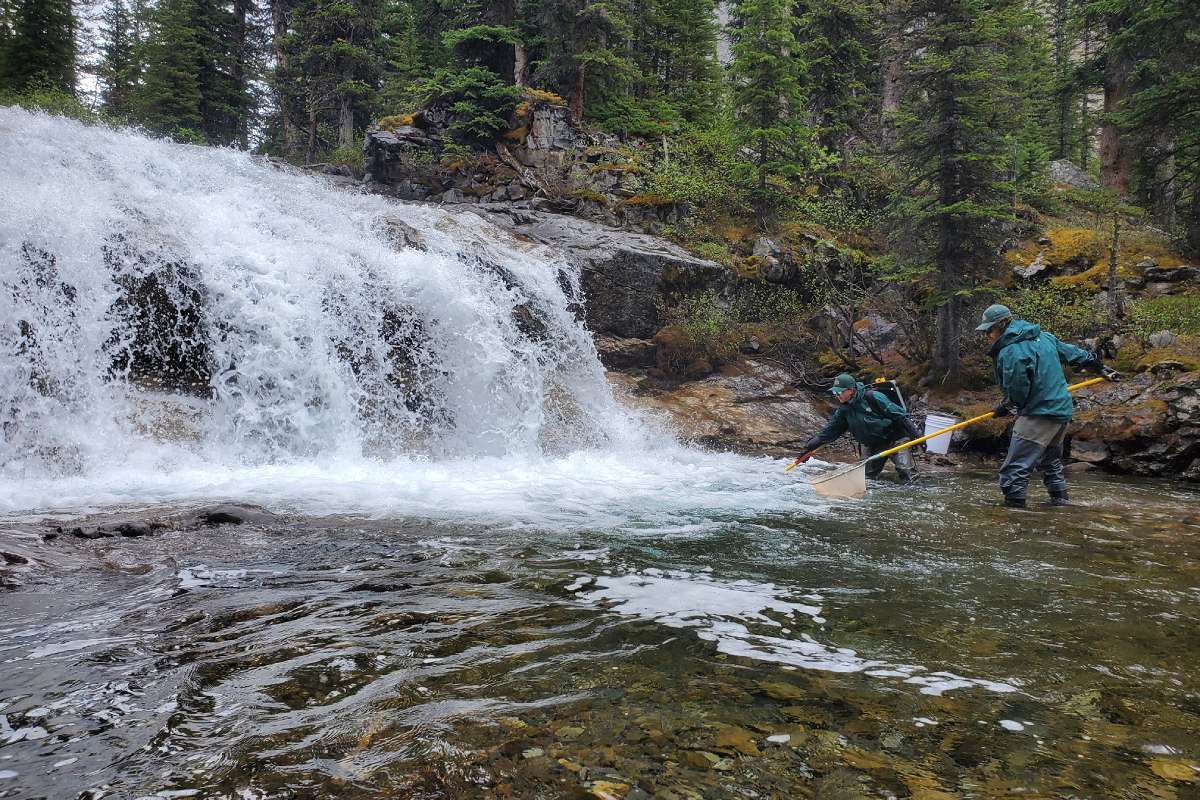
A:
(892, 75)
(1085, 124)
(1115, 311)
(577, 94)
(310, 152)
(1060, 69)
(346, 121)
(1162, 192)
(282, 93)
(241, 52)
(1115, 156)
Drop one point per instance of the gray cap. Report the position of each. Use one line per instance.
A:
(992, 315)
(841, 383)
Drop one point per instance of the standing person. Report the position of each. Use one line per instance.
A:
(1027, 364)
(873, 419)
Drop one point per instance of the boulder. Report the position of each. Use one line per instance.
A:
(1038, 266)
(617, 352)
(627, 277)
(233, 515)
(751, 406)
(1162, 339)
(1064, 172)
(1185, 274)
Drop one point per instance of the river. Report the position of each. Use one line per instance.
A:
(484, 576)
(922, 643)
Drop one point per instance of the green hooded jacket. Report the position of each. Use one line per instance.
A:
(1028, 367)
(870, 417)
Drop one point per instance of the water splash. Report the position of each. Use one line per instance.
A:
(311, 317)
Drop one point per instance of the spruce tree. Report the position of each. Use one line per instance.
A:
(119, 67)
(837, 43)
(766, 75)
(1159, 40)
(336, 62)
(39, 46)
(168, 99)
(964, 105)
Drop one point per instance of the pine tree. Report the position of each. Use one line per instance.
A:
(583, 51)
(766, 78)
(964, 105)
(39, 46)
(168, 99)
(1159, 41)
(837, 41)
(335, 63)
(120, 67)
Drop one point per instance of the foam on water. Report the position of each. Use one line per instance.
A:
(304, 353)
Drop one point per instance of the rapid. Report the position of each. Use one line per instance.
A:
(482, 575)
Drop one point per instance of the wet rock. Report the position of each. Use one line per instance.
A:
(627, 277)
(618, 352)
(751, 406)
(401, 235)
(778, 690)
(735, 739)
(134, 529)
(453, 197)
(379, 586)
(90, 532)
(1092, 452)
(533, 752)
(234, 515)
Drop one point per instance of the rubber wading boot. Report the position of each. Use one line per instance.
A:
(1058, 499)
(1014, 502)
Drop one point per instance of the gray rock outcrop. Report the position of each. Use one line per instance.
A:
(627, 276)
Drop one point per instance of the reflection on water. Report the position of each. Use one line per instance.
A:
(918, 644)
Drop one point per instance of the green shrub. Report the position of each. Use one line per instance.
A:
(1065, 312)
(53, 101)
(349, 156)
(1179, 314)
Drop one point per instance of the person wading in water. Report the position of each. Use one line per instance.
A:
(1028, 368)
(872, 419)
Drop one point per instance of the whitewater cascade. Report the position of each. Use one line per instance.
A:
(181, 323)
(292, 320)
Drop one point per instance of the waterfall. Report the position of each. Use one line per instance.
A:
(180, 323)
(287, 319)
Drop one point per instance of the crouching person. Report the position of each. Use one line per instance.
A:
(873, 420)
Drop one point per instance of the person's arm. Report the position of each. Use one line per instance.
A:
(1082, 359)
(1075, 356)
(1015, 380)
(834, 428)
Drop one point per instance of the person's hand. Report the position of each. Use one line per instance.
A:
(1002, 410)
(1109, 374)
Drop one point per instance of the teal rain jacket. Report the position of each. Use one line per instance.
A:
(870, 417)
(1028, 368)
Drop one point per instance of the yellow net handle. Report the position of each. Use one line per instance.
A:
(972, 421)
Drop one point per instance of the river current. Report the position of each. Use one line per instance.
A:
(484, 576)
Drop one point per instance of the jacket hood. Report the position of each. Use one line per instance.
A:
(1017, 331)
